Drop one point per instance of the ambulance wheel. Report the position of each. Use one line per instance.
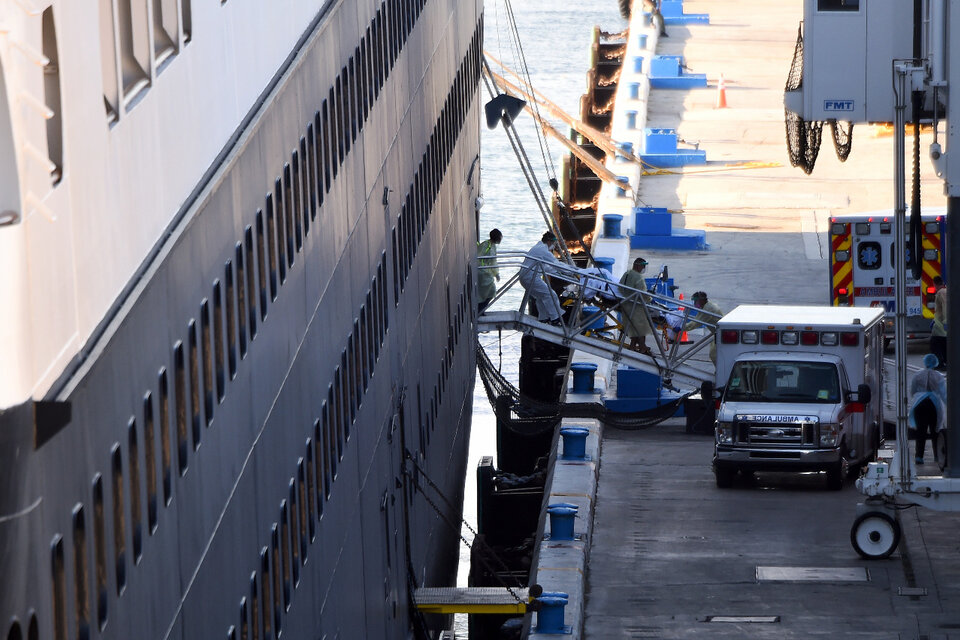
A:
(724, 476)
(875, 535)
(835, 477)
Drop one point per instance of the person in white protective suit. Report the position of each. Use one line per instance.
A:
(539, 262)
(928, 403)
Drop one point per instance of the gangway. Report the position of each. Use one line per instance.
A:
(592, 309)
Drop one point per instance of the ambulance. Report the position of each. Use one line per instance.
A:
(799, 389)
(863, 269)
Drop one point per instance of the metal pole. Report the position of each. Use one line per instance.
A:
(952, 190)
(900, 208)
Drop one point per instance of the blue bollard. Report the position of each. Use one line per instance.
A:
(583, 376)
(638, 64)
(550, 614)
(611, 225)
(624, 183)
(642, 40)
(634, 90)
(589, 310)
(574, 442)
(561, 521)
(631, 119)
(604, 262)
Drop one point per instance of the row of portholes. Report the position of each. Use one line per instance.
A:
(428, 417)
(279, 234)
(270, 588)
(418, 204)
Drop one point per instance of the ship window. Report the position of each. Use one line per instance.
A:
(251, 282)
(377, 56)
(232, 631)
(337, 107)
(231, 318)
(265, 592)
(296, 522)
(193, 354)
(59, 589)
(187, 14)
(119, 528)
(254, 608)
(350, 371)
(320, 157)
(366, 343)
(287, 575)
(284, 237)
(384, 294)
(180, 402)
(300, 213)
(363, 79)
(290, 203)
(108, 61)
(384, 503)
(51, 97)
(308, 149)
(396, 269)
(244, 619)
(165, 452)
(277, 574)
(346, 399)
(99, 552)
(354, 102)
(306, 508)
(241, 301)
(312, 478)
(134, 48)
(136, 518)
(218, 338)
(164, 31)
(305, 185)
(207, 353)
(272, 246)
(329, 131)
(80, 576)
(320, 462)
(150, 453)
(838, 5)
(329, 435)
(261, 266)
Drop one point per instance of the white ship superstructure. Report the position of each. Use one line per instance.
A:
(237, 242)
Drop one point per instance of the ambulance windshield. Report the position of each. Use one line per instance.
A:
(773, 381)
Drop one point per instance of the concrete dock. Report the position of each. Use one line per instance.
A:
(671, 555)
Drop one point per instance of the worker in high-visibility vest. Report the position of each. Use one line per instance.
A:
(488, 274)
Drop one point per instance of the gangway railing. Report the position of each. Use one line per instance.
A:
(601, 331)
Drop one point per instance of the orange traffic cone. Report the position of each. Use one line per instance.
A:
(721, 93)
(683, 334)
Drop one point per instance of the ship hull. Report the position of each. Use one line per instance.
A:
(247, 441)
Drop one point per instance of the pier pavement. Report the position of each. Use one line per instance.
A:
(670, 552)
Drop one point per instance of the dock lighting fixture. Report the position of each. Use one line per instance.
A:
(504, 107)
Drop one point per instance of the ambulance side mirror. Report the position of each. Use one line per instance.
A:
(861, 395)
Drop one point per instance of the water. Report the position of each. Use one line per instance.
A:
(555, 38)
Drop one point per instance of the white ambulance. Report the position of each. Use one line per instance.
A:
(799, 389)
(862, 266)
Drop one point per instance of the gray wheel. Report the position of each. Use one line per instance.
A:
(875, 535)
(724, 476)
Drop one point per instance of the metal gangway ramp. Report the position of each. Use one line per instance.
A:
(594, 308)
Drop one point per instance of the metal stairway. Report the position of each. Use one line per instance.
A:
(592, 306)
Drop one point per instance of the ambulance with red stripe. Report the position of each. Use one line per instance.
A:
(863, 269)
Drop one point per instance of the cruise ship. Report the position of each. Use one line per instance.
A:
(237, 351)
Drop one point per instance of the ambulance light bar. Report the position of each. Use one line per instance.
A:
(838, 228)
(790, 337)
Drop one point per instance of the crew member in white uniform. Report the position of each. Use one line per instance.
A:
(537, 263)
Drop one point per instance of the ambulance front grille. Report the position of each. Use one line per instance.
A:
(781, 434)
